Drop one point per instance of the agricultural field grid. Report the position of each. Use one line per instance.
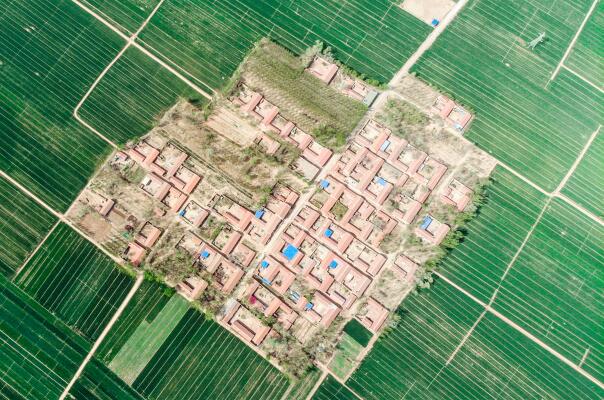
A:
(507, 279)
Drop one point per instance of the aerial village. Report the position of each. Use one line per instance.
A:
(275, 234)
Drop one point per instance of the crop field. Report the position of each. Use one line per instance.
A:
(210, 39)
(493, 238)
(98, 382)
(23, 224)
(200, 359)
(536, 126)
(555, 287)
(418, 359)
(410, 356)
(50, 53)
(584, 185)
(128, 15)
(129, 100)
(147, 339)
(71, 278)
(38, 353)
(499, 362)
(302, 388)
(587, 56)
(331, 389)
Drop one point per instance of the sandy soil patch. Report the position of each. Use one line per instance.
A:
(427, 10)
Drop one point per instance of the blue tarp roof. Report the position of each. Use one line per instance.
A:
(426, 222)
(434, 22)
(264, 264)
(258, 214)
(333, 264)
(290, 252)
(324, 183)
(328, 232)
(308, 306)
(380, 181)
(204, 254)
(385, 145)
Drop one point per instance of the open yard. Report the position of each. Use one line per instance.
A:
(132, 97)
(50, 53)
(584, 186)
(555, 287)
(210, 39)
(482, 60)
(74, 280)
(38, 353)
(493, 238)
(23, 224)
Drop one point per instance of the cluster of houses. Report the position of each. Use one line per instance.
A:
(331, 74)
(313, 155)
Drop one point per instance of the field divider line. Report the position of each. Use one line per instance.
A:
(584, 79)
(523, 331)
(465, 338)
(132, 39)
(97, 343)
(578, 160)
(426, 44)
(36, 249)
(61, 217)
(572, 43)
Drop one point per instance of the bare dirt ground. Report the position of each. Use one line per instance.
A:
(427, 10)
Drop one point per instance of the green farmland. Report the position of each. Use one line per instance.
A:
(584, 186)
(555, 289)
(128, 15)
(210, 39)
(24, 224)
(99, 383)
(496, 361)
(50, 53)
(587, 55)
(331, 389)
(479, 262)
(535, 126)
(38, 353)
(200, 359)
(181, 355)
(302, 388)
(71, 278)
(132, 96)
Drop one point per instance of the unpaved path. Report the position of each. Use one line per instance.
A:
(440, 28)
(121, 308)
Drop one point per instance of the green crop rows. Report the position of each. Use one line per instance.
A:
(587, 55)
(210, 39)
(132, 96)
(585, 185)
(70, 277)
(129, 15)
(23, 225)
(50, 53)
(479, 262)
(538, 128)
(410, 356)
(38, 353)
(555, 289)
(302, 388)
(98, 382)
(200, 359)
(331, 389)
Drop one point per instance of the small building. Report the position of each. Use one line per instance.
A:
(431, 230)
(155, 186)
(365, 258)
(246, 325)
(323, 69)
(373, 315)
(430, 173)
(320, 310)
(457, 194)
(185, 180)
(174, 199)
(134, 253)
(276, 275)
(191, 288)
(405, 267)
(194, 214)
(454, 114)
(148, 235)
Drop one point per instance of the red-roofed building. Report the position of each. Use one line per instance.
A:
(365, 258)
(432, 231)
(134, 253)
(457, 195)
(246, 325)
(155, 186)
(405, 267)
(323, 69)
(430, 173)
(191, 288)
(148, 235)
(373, 315)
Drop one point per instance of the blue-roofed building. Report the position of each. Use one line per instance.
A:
(324, 183)
(426, 222)
(328, 232)
(290, 252)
